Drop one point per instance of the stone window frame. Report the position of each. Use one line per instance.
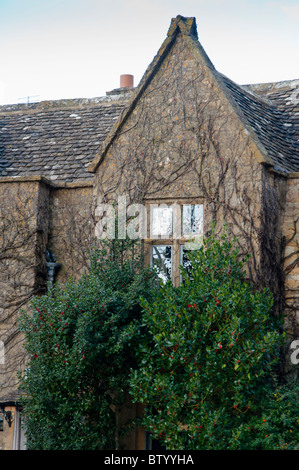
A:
(177, 244)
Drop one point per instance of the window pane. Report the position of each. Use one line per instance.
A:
(162, 260)
(192, 219)
(161, 221)
(184, 258)
(185, 263)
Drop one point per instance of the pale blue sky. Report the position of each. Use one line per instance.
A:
(78, 48)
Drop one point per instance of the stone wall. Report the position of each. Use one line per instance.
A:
(23, 239)
(183, 140)
(35, 216)
(291, 266)
(71, 228)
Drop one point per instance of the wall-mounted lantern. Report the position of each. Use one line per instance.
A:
(52, 266)
(7, 415)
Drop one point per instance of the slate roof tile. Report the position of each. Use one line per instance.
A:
(271, 109)
(59, 140)
(56, 140)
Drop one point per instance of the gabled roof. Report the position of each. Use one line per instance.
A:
(186, 26)
(66, 140)
(267, 116)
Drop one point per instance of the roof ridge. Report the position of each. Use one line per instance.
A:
(263, 86)
(72, 103)
(243, 88)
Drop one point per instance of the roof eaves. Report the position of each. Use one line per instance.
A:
(44, 180)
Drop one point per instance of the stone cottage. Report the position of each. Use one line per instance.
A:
(188, 144)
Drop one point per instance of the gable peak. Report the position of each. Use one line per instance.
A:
(184, 25)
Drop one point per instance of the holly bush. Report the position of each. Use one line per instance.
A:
(208, 370)
(80, 340)
(202, 357)
(275, 425)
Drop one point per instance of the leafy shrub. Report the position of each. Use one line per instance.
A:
(210, 362)
(80, 340)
